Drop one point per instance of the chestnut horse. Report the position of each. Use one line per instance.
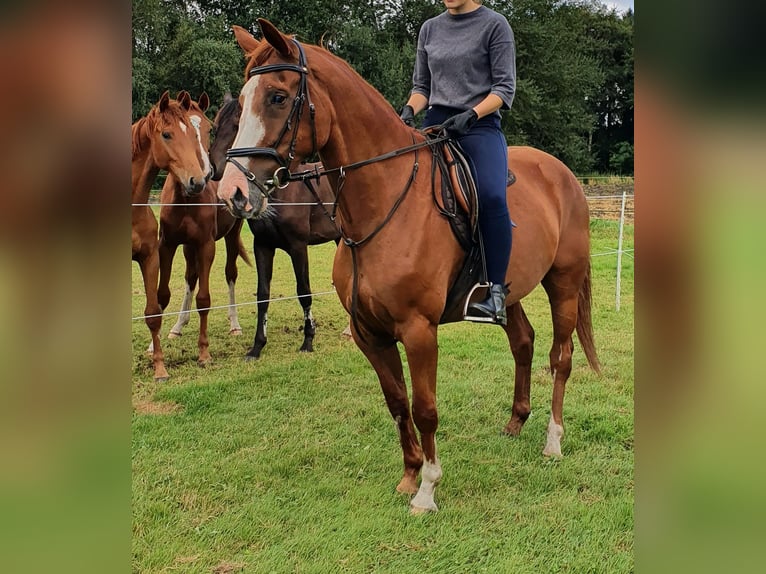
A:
(399, 257)
(288, 226)
(163, 139)
(186, 220)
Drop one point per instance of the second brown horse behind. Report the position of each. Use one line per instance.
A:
(192, 220)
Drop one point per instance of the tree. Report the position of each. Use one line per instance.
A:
(574, 94)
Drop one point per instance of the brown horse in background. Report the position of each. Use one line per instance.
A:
(286, 226)
(164, 139)
(399, 257)
(185, 220)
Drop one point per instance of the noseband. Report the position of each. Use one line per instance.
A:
(280, 179)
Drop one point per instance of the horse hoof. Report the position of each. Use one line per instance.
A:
(235, 332)
(202, 363)
(173, 335)
(252, 357)
(513, 428)
(407, 486)
(418, 510)
(161, 378)
(347, 332)
(552, 453)
(306, 350)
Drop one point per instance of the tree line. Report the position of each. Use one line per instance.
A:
(574, 61)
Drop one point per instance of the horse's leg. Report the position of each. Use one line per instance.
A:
(190, 278)
(388, 366)
(420, 344)
(563, 299)
(521, 337)
(167, 254)
(184, 315)
(231, 240)
(205, 256)
(149, 266)
(264, 265)
(300, 260)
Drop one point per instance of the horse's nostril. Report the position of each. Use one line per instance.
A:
(238, 199)
(196, 186)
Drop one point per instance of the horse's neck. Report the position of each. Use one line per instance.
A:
(363, 131)
(143, 169)
(360, 133)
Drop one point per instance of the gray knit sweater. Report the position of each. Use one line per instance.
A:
(462, 58)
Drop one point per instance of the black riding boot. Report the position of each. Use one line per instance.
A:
(493, 307)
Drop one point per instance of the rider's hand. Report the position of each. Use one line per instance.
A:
(408, 115)
(460, 124)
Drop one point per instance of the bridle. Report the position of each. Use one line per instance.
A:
(281, 176)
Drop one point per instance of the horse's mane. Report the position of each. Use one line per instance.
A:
(143, 127)
(265, 50)
(229, 109)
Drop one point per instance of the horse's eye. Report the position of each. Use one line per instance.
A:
(166, 135)
(278, 99)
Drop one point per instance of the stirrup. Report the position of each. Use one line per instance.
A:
(483, 290)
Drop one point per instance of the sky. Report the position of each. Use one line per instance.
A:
(620, 5)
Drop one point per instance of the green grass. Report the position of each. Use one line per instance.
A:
(289, 464)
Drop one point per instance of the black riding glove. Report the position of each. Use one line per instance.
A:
(460, 124)
(408, 115)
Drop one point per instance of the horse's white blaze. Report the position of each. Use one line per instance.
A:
(431, 474)
(251, 129)
(183, 126)
(251, 133)
(196, 122)
(553, 444)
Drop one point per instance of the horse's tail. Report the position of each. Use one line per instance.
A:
(584, 323)
(242, 252)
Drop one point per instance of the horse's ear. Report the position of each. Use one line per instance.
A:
(164, 101)
(274, 37)
(184, 98)
(204, 101)
(245, 39)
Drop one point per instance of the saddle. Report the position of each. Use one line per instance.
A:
(457, 200)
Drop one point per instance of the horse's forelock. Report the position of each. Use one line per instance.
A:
(155, 120)
(258, 56)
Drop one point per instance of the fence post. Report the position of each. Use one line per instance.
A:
(619, 251)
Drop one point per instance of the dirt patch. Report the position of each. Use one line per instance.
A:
(149, 407)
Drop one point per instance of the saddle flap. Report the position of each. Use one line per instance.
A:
(461, 179)
(456, 198)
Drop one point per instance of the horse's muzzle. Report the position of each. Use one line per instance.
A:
(249, 206)
(195, 186)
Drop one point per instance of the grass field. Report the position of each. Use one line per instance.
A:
(289, 464)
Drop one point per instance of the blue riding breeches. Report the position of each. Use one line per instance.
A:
(487, 149)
